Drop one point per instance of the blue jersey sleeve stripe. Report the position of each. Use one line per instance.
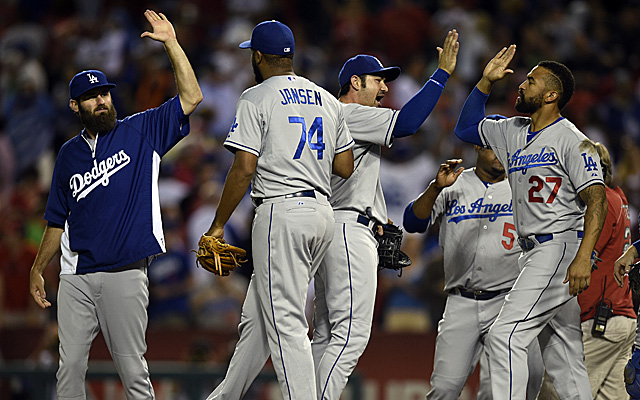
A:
(388, 138)
(345, 147)
(229, 144)
(589, 183)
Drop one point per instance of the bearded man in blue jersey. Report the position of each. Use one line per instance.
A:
(103, 214)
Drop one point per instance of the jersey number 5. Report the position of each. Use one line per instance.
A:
(510, 238)
(538, 184)
(316, 128)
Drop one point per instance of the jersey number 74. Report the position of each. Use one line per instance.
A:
(306, 137)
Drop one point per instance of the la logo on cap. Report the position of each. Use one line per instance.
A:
(92, 78)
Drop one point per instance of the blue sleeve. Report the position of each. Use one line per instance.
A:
(413, 224)
(163, 126)
(57, 208)
(415, 112)
(472, 113)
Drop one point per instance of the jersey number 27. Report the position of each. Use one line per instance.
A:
(538, 185)
(306, 137)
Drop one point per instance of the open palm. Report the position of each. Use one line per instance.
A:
(162, 28)
(497, 69)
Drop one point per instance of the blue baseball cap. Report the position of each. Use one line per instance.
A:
(84, 81)
(366, 64)
(271, 37)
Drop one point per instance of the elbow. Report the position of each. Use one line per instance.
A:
(458, 131)
(343, 172)
(191, 101)
(343, 164)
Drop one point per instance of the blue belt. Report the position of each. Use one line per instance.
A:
(304, 193)
(527, 244)
(479, 294)
(364, 220)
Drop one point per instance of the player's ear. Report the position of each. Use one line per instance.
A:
(355, 82)
(73, 105)
(551, 96)
(257, 56)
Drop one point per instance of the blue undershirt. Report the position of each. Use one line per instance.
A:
(415, 112)
(472, 113)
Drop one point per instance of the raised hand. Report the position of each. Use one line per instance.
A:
(497, 69)
(447, 173)
(448, 53)
(162, 29)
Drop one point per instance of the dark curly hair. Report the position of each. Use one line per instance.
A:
(560, 79)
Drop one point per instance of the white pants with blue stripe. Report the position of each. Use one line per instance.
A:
(289, 239)
(345, 288)
(539, 305)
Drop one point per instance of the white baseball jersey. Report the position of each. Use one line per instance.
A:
(477, 234)
(295, 128)
(371, 128)
(546, 173)
(546, 170)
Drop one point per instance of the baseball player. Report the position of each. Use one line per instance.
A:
(288, 136)
(345, 285)
(103, 213)
(606, 310)
(477, 236)
(559, 210)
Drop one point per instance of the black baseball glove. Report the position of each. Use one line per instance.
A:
(634, 278)
(389, 254)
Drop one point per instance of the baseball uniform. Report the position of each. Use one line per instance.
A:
(107, 188)
(345, 285)
(480, 250)
(295, 128)
(546, 171)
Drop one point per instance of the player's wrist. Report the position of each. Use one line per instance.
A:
(436, 187)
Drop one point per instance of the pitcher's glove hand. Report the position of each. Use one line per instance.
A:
(634, 278)
(389, 254)
(217, 256)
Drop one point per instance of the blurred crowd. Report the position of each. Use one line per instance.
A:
(44, 43)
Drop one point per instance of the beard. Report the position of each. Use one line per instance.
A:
(101, 123)
(256, 71)
(528, 106)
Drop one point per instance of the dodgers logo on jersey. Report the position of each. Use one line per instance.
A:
(522, 162)
(83, 184)
(234, 125)
(478, 209)
(589, 164)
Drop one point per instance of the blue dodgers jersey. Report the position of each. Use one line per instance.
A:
(106, 196)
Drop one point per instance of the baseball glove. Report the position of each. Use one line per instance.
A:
(634, 278)
(389, 254)
(217, 256)
(632, 375)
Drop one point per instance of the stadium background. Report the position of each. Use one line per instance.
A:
(193, 317)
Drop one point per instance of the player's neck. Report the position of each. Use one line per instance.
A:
(543, 118)
(348, 98)
(90, 134)
(277, 72)
(487, 176)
